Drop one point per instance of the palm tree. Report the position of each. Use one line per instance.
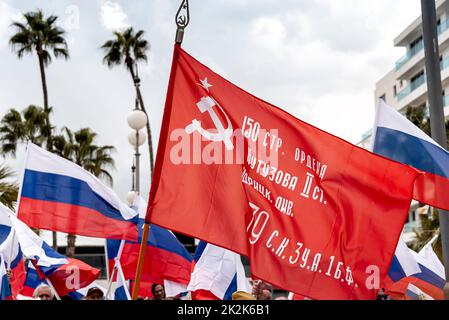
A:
(99, 163)
(8, 190)
(79, 147)
(41, 35)
(128, 48)
(16, 127)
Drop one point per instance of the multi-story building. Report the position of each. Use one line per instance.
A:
(405, 85)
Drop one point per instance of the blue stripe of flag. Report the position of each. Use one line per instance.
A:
(231, 289)
(120, 293)
(412, 295)
(4, 232)
(64, 189)
(396, 272)
(6, 289)
(159, 238)
(411, 150)
(429, 276)
(199, 250)
(50, 252)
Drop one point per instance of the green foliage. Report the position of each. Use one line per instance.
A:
(80, 147)
(127, 47)
(429, 228)
(8, 190)
(19, 127)
(39, 34)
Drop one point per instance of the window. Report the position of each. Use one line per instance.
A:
(415, 42)
(188, 242)
(395, 90)
(417, 80)
(416, 76)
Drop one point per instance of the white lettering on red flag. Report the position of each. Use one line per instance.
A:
(314, 213)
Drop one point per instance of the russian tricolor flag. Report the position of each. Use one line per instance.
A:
(166, 259)
(217, 273)
(430, 279)
(59, 195)
(66, 274)
(10, 249)
(121, 291)
(398, 139)
(414, 293)
(32, 280)
(5, 289)
(404, 263)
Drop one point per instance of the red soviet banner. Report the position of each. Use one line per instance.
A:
(315, 214)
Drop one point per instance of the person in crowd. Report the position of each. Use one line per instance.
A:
(43, 292)
(158, 291)
(265, 295)
(242, 295)
(9, 274)
(262, 290)
(94, 293)
(381, 295)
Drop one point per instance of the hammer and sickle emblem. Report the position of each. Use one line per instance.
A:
(207, 104)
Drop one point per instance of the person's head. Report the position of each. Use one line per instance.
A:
(158, 291)
(43, 292)
(266, 295)
(381, 295)
(94, 293)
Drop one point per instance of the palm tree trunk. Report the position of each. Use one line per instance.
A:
(139, 96)
(47, 119)
(70, 250)
(46, 107)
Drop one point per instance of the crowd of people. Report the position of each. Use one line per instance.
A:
(260, 291)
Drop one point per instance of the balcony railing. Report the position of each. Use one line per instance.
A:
(410, 54)
(444, 25)
(412, 87)
(444, 64)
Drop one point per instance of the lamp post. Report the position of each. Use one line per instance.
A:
(137, 120)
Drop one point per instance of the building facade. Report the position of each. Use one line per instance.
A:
(405, 86)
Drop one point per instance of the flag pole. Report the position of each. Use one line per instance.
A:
(182, 20)
(121, 275)
(53, 288)
(437, 121)
(114, 269)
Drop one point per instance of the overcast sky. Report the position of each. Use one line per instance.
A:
(317, 59)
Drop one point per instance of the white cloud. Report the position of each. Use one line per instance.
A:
(113, 17)
(317, 59)
(269, 31)
(8, 14)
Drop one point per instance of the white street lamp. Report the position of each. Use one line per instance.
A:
(137, 138)
(137, 119)
(130, 197)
